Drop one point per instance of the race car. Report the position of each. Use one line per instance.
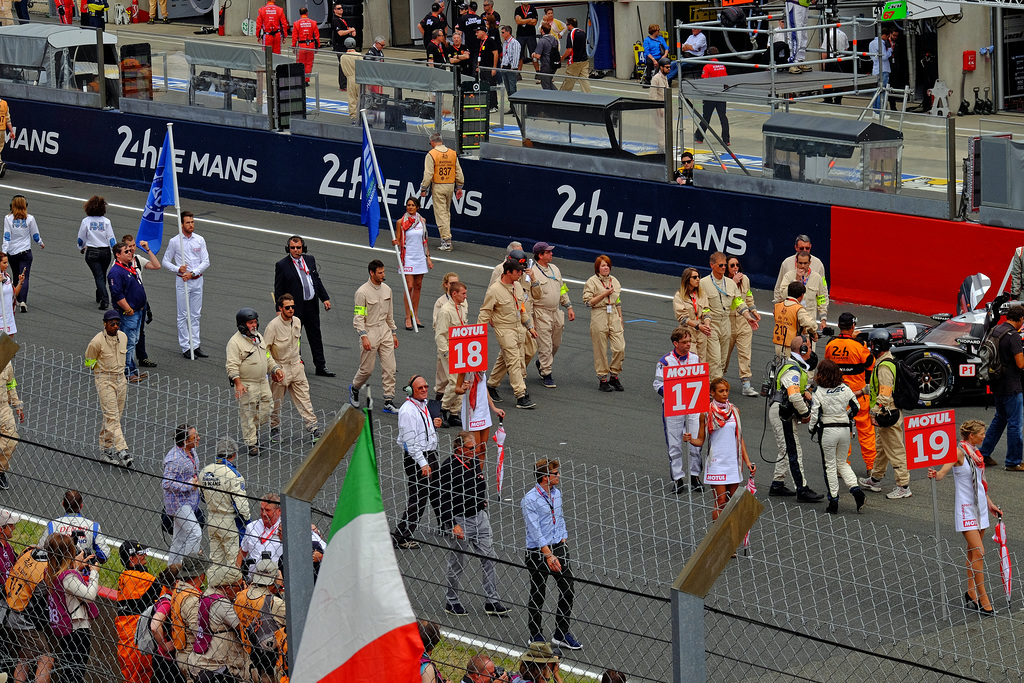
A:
(945, 356)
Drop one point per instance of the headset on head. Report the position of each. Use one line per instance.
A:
(408, 387)
(287, 246)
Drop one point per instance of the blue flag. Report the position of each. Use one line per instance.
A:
(161, 194)
(370, 211)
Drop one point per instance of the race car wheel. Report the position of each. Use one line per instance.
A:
(935, 375)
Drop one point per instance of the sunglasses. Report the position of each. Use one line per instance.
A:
(288, 308)
(803, 248)
(295, 246)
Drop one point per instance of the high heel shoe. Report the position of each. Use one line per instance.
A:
(971, 604)
(990, 612)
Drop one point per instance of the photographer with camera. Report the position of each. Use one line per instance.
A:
(84, 532)
(480, 669)
(72, 584)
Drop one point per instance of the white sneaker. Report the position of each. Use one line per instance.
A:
(870, 484)
(446, 245)
(899, 492)
(749, 390)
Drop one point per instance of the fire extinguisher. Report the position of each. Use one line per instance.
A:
(220, 22)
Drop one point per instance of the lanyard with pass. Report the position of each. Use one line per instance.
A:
(551, 505)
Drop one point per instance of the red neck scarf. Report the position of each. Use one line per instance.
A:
(975, 455)
(719, 414)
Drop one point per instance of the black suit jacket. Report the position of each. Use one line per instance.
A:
(286, 280)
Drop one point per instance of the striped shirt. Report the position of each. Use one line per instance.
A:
(510, 54)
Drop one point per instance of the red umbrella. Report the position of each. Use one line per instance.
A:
(499, 438)
(1005, 566)
(752, 487)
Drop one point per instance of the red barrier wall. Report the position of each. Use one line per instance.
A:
(913, 264)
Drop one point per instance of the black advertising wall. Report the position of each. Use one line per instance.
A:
(655, 226)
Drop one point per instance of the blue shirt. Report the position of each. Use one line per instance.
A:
(542, 512)
(126, 284)
(655, 47)
(179, 470)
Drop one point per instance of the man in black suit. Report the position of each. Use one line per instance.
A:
(296, 274)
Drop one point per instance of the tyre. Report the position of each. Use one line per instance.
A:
(935, 375)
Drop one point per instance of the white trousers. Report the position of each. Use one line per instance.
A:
(674, 428)
(195, 302)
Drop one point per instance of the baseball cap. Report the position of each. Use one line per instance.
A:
(111, 314)
(264, 573)
(847, 319)
(541, 247)
(130, 549)
(9, 517)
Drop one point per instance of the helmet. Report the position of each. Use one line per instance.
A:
(243, 317)
(887, 418)
(664, 61)
(878, 340)
(518, 258)
(350, 43)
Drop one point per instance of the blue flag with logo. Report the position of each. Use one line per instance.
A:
(370, 211)
(161, 194)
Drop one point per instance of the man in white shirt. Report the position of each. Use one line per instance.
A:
(417, 434)
(880, 50)
(188, 258)
(802, 245)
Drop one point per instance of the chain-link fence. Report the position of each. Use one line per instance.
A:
(814, 597)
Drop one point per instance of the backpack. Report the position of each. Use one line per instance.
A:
(907, 392)
(22, 580)
(204, 634)
(261, 636)
(991, 369)
(145, 643)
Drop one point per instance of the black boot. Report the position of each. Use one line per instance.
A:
(695, 484)
(833, 506)
(445, 416)
(858, 495)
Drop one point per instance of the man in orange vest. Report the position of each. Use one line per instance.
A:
(442, 175)
(271, 25)
(305, 35)
(855, 361)
(792, 319)
(136, 590)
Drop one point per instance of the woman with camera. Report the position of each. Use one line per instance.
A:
(72, 583)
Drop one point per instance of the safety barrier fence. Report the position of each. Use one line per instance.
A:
(814, 597)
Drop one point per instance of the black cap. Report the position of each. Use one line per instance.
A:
(847, 320)
(130, 549)
(111, 314)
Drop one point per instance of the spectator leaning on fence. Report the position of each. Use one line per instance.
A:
(181, 496)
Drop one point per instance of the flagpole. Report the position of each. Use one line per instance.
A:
(387, 210)
(181, 240)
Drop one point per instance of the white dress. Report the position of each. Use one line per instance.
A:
(970, 512)
(7, 306)
(415, 262)
(475, 419)
(724, 460)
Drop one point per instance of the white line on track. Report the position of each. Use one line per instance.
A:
(322, 240)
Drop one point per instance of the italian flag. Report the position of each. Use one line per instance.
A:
(360, 626)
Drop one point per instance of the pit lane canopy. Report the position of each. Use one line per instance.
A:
(28, 45)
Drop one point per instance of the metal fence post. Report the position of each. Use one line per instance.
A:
(101, 70)
(271, 86)
(670, 149)
(688, 638)
(951, 167)
(296, 521)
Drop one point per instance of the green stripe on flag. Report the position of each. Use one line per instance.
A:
(360, 493)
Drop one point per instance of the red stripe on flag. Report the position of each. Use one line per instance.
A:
(393, 657)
